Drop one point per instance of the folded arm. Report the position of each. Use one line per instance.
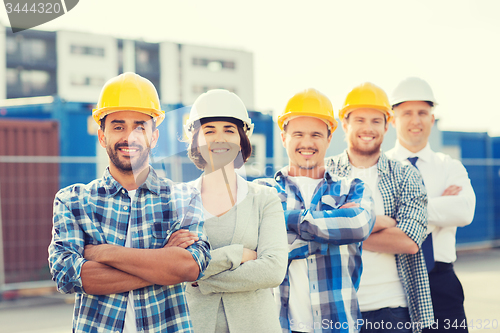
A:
(334, 225)
(165, 266)
(407, 231)
(455, 207)
(390, 240)
(268, 269)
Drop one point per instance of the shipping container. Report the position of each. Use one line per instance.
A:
(27, 188)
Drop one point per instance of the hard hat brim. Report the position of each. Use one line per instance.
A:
(98, 114)
(348, 109)
(282, 119)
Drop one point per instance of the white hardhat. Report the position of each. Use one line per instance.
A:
(412, 89)
(218, 104)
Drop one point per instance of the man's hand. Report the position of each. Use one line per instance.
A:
(452, 190)
(349, 205)
(182, 238)
(248, 255)
(383, 222)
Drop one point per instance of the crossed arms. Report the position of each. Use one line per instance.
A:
(114, 269)
(106, 269)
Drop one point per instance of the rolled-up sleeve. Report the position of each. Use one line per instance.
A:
(66, 249)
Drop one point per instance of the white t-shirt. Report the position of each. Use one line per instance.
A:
(130, 326)
(380, 285)
(299, 305)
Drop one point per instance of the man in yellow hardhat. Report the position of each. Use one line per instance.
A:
(451, 197)
(318, 293)
(394, 290)
(109, 241)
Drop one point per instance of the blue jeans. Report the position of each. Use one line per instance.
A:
(386, 320)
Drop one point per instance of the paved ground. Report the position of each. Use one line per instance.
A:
(479, 272)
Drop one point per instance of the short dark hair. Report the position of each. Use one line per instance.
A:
(103, 124)
(198, 160)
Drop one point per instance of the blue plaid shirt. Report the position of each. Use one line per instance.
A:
(99, 213)
(330, 238)
(405, 200)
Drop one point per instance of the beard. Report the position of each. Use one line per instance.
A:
(127, 164)
(365, 151)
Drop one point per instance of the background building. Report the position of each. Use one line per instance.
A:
(75, 65)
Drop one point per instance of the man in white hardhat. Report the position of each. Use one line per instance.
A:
(120, 243)
(451, 197)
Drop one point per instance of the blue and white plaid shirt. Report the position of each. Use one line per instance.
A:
(330, 238)
(405, 200)
(98, 213)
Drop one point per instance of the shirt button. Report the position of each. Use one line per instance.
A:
(123, 191)
(125, 208)
(121, 237)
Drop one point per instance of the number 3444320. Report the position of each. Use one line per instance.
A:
(45, 8)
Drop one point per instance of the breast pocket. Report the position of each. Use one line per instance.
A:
(160, 232)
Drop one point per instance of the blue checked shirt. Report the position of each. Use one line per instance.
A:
(98, 213)
(330, 238)
(405, 200)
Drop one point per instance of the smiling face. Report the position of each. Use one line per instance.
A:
(365, 130)
(306, 140)
(128, 137)
(413, 121)
(219, 144)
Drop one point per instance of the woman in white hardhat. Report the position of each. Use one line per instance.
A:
(244, 222)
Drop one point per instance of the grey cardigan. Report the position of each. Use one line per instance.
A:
(245, 289)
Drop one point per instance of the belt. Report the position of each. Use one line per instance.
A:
(442, 267)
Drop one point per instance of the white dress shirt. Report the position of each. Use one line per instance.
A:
(445, 213)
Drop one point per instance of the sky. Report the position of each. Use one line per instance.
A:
(329, 45)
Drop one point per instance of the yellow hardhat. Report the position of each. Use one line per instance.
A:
(309, 103)
(128, 92)
(367, 95)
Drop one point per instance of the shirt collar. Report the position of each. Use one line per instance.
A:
(328, 176)
(401, 153)
(344, 165)
(111, 186)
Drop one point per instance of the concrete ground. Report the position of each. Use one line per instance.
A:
(479, 272)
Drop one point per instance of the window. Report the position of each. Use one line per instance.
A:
(11, 45)
(199, 89)
(214, 64)
(38, 49)
(11, 75)
(28, 83)
(87, 50)
(142, 56)
(36, 80)
(81, 80)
